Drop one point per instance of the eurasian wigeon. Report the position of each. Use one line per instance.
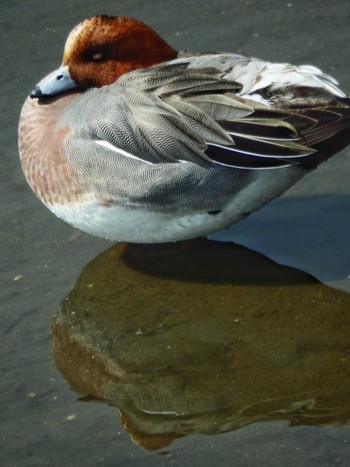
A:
(132, 141)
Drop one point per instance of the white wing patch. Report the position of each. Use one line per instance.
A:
(329, 83)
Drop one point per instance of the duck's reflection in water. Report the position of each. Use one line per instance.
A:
(204, 337)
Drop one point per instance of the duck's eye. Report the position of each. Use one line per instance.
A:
(94, 55)
(97, 56)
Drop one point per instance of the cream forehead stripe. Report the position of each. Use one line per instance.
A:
(68, 48)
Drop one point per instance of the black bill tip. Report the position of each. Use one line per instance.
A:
(37, 92)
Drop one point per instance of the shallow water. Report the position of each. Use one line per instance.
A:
(204, 337)
(194, 354)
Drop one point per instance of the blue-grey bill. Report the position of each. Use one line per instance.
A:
(57, 82)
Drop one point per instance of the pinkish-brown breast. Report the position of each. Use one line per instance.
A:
(41, 145)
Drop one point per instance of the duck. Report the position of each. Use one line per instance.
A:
(133, 141)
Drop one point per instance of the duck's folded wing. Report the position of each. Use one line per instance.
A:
(315, 122)
(175, 114)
